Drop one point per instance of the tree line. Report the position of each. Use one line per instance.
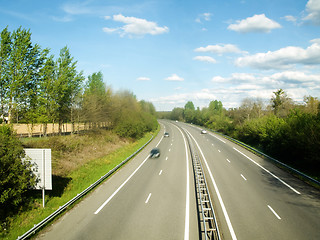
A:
(281, 128)
(37, 88)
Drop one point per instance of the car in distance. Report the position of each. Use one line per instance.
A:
(155, 153)
(203, 131)
(166, 134)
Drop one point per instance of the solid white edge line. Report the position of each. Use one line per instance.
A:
(217, 138)
(286, 184)
(243, 177)
(115, 192)
(187, 216)
(148, 198)
(224, 210)
(274, 212)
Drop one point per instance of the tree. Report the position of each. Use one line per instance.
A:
(22, 68)
(177, 114)
(67, 86)
(312, 104)
(189, 112)
(46, 103)
(281, 103)
(96, 100)
(5, 47)
(15, 176)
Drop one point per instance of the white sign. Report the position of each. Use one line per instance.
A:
(40, 160)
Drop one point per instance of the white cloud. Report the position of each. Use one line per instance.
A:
(204, 16)
(174, 77)
(205, 59)
(136, 26)
(109, 30)
(313, 8)
(219, 79)
(220, 49)
(143, 79)
(290, 18)
(296, 77)
(257, 23)
(283, 58)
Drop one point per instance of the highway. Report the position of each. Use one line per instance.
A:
(260, 201)
(155, 198)
(146, 199)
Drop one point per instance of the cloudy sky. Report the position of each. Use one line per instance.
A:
(173, 51)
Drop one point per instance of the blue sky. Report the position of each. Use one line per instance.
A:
(170, 52)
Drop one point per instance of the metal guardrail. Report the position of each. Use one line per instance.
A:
(76, 198)
(270, 158)
(208, 224)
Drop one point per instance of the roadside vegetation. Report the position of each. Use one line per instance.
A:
(283, 129)
(37, 88)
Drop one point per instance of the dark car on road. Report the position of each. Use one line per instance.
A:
(166, 134)
(155, 153)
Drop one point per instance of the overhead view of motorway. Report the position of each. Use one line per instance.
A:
(155, 198)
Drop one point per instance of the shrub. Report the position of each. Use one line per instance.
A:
(15, 176)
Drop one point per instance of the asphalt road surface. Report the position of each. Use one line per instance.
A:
(155, 198)
(149, 198)
(253, 198)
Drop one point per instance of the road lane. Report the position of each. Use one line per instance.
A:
(249, 202)
(149, 204)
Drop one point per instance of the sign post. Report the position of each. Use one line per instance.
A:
(40, 160)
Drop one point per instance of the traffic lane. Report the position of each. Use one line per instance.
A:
(139, 221)
(81, 214)
(287, 197)
(242, 212)
(135, 219)
(170, 204)
(271, 188)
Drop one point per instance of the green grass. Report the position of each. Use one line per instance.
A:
(74, 183)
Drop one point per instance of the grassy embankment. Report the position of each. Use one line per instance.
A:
(77, 162)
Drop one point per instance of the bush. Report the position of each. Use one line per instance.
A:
(135, 124)
(15, 176)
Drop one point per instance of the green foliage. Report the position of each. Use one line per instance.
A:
(284, 130)
(15, 176)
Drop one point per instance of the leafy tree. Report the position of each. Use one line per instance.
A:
(281, 103)
(189, 112)
(67, 86)
(96, 100)
(5, 47)
(46, 103)
(22, 68)
(15, 175)
(177, 114)
(312, 105)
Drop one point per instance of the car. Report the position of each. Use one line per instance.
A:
(166, 134)
(203, 131)
(155, 153)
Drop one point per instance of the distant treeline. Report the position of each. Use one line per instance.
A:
(283, 129)
(37, 88)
